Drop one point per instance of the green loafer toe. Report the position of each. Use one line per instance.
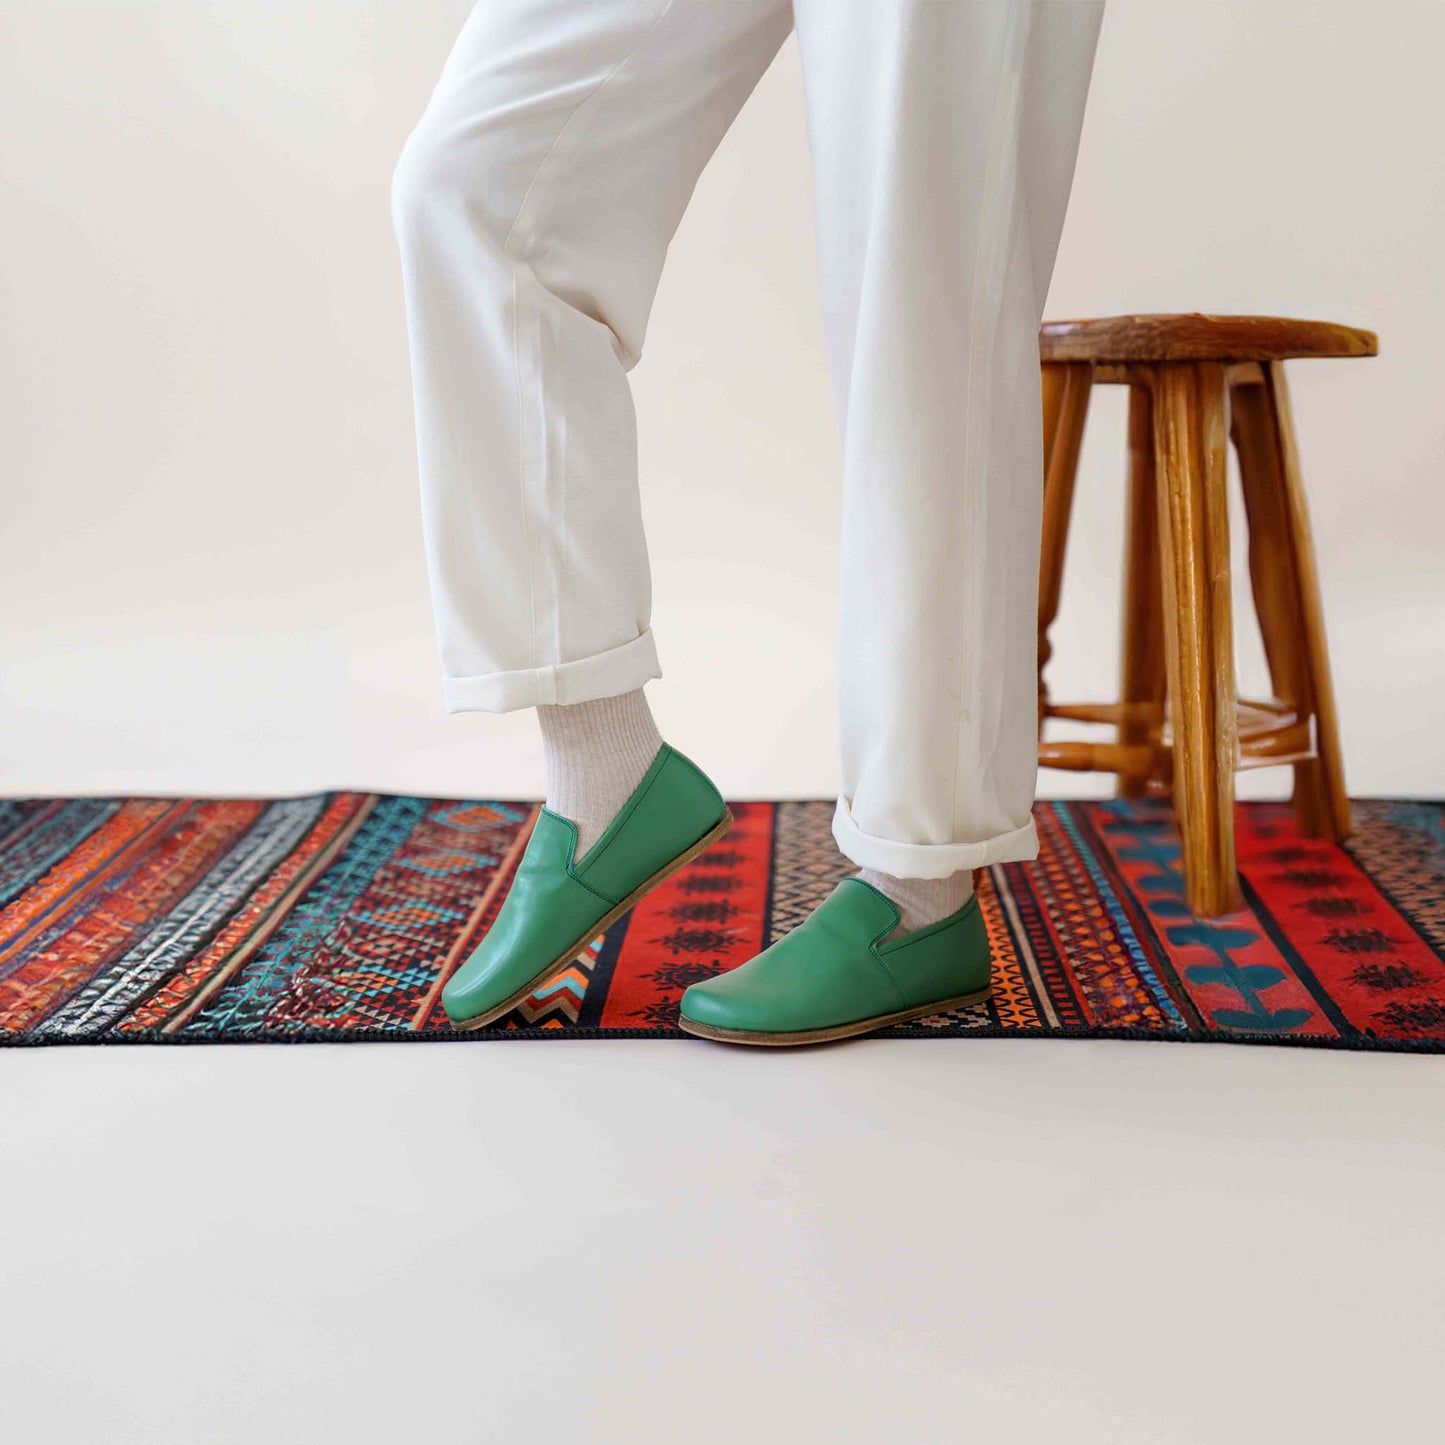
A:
(835, 976)
(557, 905)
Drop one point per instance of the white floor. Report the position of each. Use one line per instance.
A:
(886, 1241)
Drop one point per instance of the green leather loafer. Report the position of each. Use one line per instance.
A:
(557, 904)
(835, 976)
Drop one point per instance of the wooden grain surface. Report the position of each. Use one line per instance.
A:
(1193, 336)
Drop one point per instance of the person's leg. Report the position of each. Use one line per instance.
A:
(944, 134)
(944, 138)
(534, 204)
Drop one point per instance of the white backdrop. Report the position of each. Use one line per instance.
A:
(212, 573)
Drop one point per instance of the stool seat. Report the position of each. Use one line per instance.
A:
(1121, 340)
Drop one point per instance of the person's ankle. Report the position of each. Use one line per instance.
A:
(921, 901)
(597, 752)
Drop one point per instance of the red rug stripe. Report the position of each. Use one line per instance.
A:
(1375, 967)
(1198, 948)
(671, 938)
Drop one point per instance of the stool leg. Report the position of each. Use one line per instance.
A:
(1275, 579)
(1190, 405)
(1321, 801)
(1141, 670)
(1066, 388)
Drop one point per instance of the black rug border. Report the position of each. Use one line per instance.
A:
(1360, 1044)
(1435, 802)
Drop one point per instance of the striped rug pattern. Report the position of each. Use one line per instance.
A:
(340, 916)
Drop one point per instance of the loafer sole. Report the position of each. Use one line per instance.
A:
(564, 961)
(759, 1038)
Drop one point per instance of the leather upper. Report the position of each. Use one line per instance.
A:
(556, 903)
(669, 810)
(840, 966)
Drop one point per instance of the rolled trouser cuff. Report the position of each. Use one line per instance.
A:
(604, 674)
(929, 860)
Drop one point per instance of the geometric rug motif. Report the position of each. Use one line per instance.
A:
(340, 916)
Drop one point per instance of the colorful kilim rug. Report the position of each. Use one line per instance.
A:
(340, 916)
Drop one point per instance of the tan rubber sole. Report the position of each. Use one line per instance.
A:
(562, 963)
(839, 1031)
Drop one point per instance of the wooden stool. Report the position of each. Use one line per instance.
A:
(1193, 380)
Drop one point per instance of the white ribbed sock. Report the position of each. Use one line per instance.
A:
(922, 901)
(597, 753)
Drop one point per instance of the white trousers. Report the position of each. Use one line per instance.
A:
(534, 205)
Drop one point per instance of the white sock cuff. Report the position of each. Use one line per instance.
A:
(596, 753)
(922, 901)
